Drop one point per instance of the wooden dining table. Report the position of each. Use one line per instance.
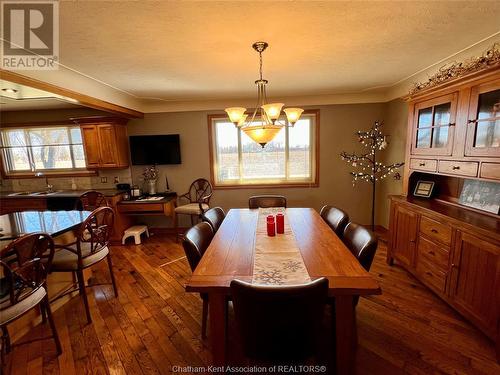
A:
(231, 256)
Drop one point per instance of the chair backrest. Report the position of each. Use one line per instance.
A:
(200, 191)
(266, 201)
(196, 241)
(279, 322)
(335, 218)
(214, 216)
(25, 263)
(362, 243)
(90, 200)
(95, 231)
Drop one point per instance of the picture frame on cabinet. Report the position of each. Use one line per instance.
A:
(482, 195)
(424, 189)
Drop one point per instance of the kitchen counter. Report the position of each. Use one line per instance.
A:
(58, 194)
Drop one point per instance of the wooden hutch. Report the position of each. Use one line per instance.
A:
(453, 136)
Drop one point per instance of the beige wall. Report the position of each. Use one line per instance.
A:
(338, 124)
(395, 123)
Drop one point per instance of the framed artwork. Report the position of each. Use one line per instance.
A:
(424, 189)
(482, 195)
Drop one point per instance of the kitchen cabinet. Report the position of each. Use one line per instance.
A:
(105, 142)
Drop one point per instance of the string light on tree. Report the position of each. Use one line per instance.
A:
(368, 169)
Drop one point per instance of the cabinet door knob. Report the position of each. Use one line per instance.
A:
(432, 252)
(412, 241)
(434, 230)
(451, 124)
(421, 164)
(455, 167)
(453, 265)
(472, 121)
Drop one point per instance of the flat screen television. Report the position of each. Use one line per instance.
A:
(155, 149)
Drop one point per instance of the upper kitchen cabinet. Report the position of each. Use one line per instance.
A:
(483, 127)
(105, 142)
(434, 125)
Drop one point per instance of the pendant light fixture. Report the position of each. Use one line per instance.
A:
(264, 123)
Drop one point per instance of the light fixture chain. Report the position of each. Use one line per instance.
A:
(260, 69)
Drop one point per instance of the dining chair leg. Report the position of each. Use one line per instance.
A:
(113, 281)
(192, 221)
(43, 314)
(176, 228)
(47, 309)
(5, 339)
(204, 318)
(83, 293)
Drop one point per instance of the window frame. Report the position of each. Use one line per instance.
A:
(314, 183)
(67, 172)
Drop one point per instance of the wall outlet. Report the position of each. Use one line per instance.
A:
(104, 180)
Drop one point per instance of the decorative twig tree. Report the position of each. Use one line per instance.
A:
(368, 169)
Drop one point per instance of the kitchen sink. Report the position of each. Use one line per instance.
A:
(20, 193)
(34, 193)
(46, 192)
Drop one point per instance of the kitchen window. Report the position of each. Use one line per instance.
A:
(290, 159)
(46, 149)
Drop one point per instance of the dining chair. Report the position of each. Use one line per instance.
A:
(24, 265)
(214, 216)
(279, 322)
(362, 243)
(336, 219)
(198, 198)
(89, 248)
(266, 201)
(90, 200)
(195, 242)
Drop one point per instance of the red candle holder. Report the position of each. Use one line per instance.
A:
(280, 223)
(271, 226)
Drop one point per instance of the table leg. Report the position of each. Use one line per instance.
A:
(346, 334)
(217, 334)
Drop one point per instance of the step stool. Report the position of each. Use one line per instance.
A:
(136, 232)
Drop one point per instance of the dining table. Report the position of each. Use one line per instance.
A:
(308, 250)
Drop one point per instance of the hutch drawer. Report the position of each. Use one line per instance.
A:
(435, 230)
(459, 168)
(490, 170)
(429, 165)
(432, 253)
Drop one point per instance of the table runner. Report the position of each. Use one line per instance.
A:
(277, 260)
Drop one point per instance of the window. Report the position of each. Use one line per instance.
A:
(289, 159)
(42, 149)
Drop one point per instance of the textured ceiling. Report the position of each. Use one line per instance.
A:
(202, 50)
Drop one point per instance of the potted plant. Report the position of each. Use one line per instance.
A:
(150, 176)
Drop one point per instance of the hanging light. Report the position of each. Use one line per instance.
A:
(264, 123)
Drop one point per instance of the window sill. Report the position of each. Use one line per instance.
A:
(78, 173)
(285, 185)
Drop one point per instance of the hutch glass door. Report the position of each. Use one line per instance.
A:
(433, 126)
(483, 131)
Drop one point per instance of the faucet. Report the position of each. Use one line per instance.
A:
(50, 188)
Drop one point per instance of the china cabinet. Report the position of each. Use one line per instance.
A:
(453, 139)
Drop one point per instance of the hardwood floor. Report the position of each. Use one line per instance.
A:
(154, 325)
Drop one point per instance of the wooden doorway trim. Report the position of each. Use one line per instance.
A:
(84, 100)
